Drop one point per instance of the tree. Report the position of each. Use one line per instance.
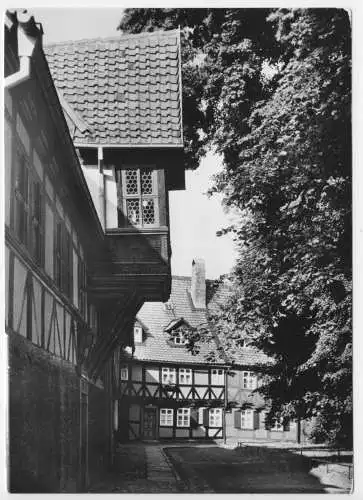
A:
(274, 100)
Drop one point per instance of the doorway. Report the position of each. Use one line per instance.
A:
(149, 423)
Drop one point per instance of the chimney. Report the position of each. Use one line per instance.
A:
(198, 289)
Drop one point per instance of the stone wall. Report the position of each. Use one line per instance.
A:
(44, 422)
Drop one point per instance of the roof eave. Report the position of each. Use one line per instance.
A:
(126, 146)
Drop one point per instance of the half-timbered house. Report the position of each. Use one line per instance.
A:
(89, 158)
(245, 409)
(167, 392)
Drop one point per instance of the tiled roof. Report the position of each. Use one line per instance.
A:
(127, 89)
(156, 316)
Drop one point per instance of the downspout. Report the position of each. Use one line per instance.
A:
(101, 188)
(225, 405)
(26, 44)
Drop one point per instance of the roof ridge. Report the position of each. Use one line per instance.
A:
(121, 36)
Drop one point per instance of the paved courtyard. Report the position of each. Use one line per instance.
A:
(209, 468)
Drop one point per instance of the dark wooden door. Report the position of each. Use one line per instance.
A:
(149, 423)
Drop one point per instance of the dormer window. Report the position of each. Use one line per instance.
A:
(175, 330)
(140, 197)
(137, 334)
(179, 338)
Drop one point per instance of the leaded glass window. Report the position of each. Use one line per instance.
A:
(140, 202)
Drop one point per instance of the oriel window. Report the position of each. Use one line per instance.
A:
(140, 197)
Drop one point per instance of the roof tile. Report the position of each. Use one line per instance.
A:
(156, 317)
(101, 77)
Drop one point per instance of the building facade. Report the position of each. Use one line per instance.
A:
(87, 174)
(167, 392)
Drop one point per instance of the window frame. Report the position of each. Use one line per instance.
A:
(171, 373)
(37, 221)
(249, 380)
(179, 338)
(247, 419)
(22, 197)
(215, 415)
(140, 196)
(63, 257)
(165, 415)
(82, 286)
(183, 417)
(278, 426)
(124, 369)
(138, 331)
(187, 374)
(217, 378)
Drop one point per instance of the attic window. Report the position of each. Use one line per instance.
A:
(137, 334)
(179, 338)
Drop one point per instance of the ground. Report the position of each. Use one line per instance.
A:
(213, 468)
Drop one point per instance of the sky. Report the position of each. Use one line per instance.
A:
(194, 218)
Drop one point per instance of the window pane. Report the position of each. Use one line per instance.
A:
(148, 212)
(133, 211)
(166, 417)
(131, 182)
(146, 181)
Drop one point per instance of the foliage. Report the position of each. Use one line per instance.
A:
(272, 95)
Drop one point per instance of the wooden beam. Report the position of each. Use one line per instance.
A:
(113, 338)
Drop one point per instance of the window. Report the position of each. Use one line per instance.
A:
(137, 334)
(58, 255)
(183, 417)
(124, 373)
(249, 380)
(215, 417)
(217, 377)
(168, 376)
(37, 223)
(185, 376)
(166, 417)
(63, 259)
(246, 419)
(68, 264)
(22, 200)
(179, 338)
(277, 426)
(139, 196)
(82, 282)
